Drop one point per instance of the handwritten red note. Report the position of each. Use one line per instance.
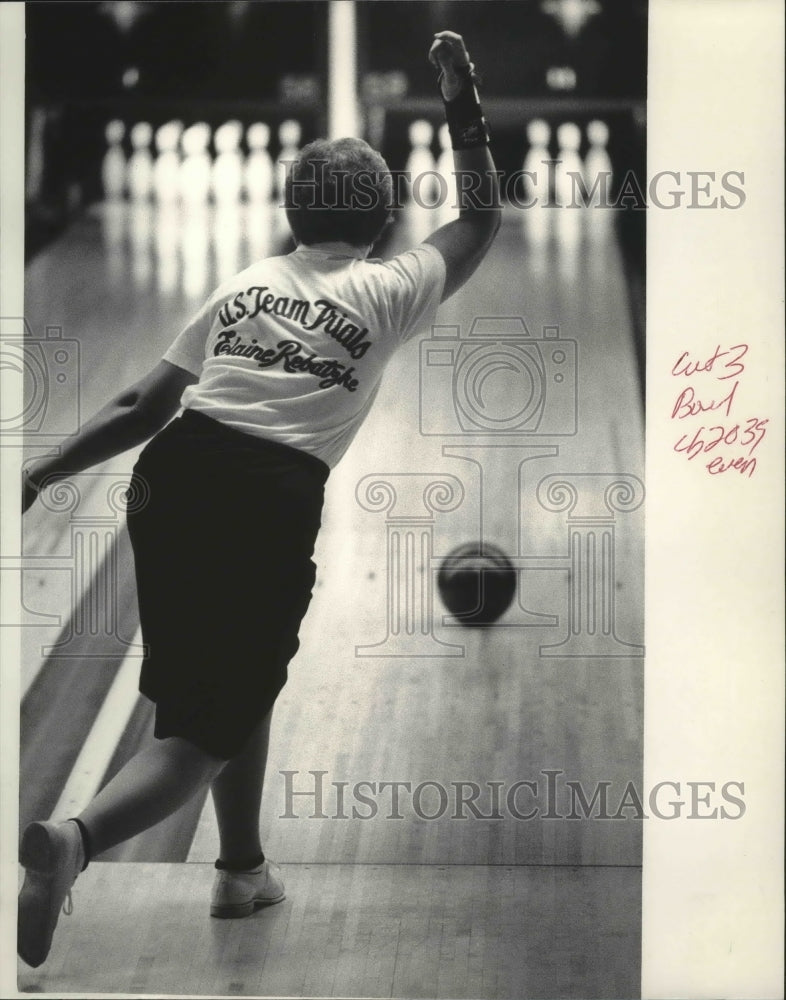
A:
(709, 393)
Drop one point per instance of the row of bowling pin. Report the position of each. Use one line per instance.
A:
(187, 251)
(594, 170)
(181, 166)
(432, 181)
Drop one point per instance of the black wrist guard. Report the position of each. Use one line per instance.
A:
(464, 115)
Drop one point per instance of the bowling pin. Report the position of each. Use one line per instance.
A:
(421, 165)
(166, 169)
(140, 163)
(195, 168)
(567, 191)
(258, 174)
(536, 172)
(227, 173)
(536, 218)
(113, 168)
(289, 135)
(597, 166)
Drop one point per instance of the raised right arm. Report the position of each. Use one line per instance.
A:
(464, 242)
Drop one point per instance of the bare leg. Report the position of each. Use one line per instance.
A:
(237, 795)
(151, 786)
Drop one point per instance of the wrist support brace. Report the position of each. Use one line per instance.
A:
(464, 115)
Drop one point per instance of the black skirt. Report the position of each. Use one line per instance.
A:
(223, 530)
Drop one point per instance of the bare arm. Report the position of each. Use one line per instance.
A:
(465, 242)
(132, 417)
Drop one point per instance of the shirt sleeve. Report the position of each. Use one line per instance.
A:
(188, 349)
(414, 284)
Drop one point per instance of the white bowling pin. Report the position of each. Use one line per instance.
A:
(195, 169)
(289, 135)
(258, 174)
(113, 168)
(597, 166)
(166, 169)
(536, 172)
(567, 191)
(227, 175)
(140, 164)
(421, 166)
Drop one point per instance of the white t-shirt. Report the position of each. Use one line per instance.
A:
(293, 348)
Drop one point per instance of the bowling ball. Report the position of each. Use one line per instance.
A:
(476, 582)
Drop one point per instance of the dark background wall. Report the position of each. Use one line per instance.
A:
(211, 61)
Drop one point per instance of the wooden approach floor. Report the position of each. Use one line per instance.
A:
(352, 931)
(389, 904)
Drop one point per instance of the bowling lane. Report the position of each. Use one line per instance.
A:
(488, 708)
(115, 290)
(454, 706)
(351, 931)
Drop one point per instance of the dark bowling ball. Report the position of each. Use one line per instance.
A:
(476, 583)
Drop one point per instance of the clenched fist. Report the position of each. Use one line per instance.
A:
(449, 53)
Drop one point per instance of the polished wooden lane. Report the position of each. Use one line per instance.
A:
(111, 295)
(112, 292)
(501, 712)
(350, 931)
(486, 710)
